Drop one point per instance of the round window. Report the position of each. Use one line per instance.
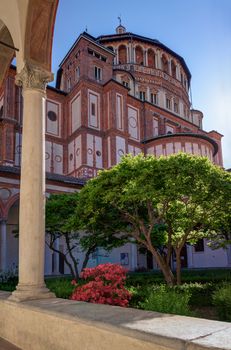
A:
(52, 116)
(98, 153)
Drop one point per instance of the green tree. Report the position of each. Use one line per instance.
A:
(141, 193)
(60, 223)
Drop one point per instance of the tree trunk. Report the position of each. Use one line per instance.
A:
(87, 256)
(178, 266)
(165, 268)
(72, 271)
(74, 260)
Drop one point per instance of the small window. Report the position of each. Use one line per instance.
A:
(153, 98)
(93, 109)
(97, 55)
(69, 84)
(52, 116)
(104, 59)
(169, 129)
(176, 107)
(90, 52)
(98, 73)
(199, 246)
(142, 95)
(1, 112)
(125, 83)
(168, 103)
(77, 73)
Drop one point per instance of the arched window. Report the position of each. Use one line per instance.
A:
(139, 55)
(164, 62)
(111, 48)
(173, 68)
(151, 59)
(122, 52)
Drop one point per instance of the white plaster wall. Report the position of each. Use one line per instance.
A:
(169, 148)
(119, 111)
(133, 123)
(58, 158)
(71, 158)
(18, 144)
(90, 149)
(159, 150)
(196, 149)
(76, 112)
(150, 150)
(93, 120)
(98, 152)
(134, 150)
(48, 155)
(178, 147)
(188, 147)
(120, 148)
(53, 127)
(78, 151)
(209, 258)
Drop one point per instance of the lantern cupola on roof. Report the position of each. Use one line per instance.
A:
(120, 29)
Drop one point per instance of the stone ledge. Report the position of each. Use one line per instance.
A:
(61, 324)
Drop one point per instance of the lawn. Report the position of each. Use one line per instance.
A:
(204, 293)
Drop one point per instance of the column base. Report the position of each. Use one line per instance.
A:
(30, 292)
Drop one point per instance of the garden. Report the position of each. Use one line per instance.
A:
(160, 204)
(203, 293)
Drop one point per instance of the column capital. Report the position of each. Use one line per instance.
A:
(33, 77)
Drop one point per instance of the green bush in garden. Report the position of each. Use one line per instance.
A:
(201, 293)
(222, 300)
(168, 300)
(62, 287)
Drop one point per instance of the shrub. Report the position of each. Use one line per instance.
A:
(9, 279)
(61, 287)
(222, 301)
(104, 285)
(168, 300)
(201, 294)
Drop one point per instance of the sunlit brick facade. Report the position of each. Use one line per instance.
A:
(115, 94)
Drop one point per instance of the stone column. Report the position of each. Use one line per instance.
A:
(32, 188)
(116, 59)
(169, 67)
(134, 55)
(3, 247)
(128, 54)
(145, 57)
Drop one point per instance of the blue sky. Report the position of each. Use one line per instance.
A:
(198, 30)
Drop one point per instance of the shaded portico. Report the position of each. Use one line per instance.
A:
(26, 31)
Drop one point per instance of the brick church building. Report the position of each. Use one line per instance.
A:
(115, 94)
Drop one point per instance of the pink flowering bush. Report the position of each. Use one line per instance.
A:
(104, 285)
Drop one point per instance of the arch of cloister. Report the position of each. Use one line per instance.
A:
(26, 31)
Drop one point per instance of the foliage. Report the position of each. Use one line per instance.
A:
(9, 277)
(104, 285)
(60, 224)
(62, 287)
(59, 208)
(222, 301)
(168, 300)
(180, 193)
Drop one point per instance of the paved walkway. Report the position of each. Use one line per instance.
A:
(4, 345)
